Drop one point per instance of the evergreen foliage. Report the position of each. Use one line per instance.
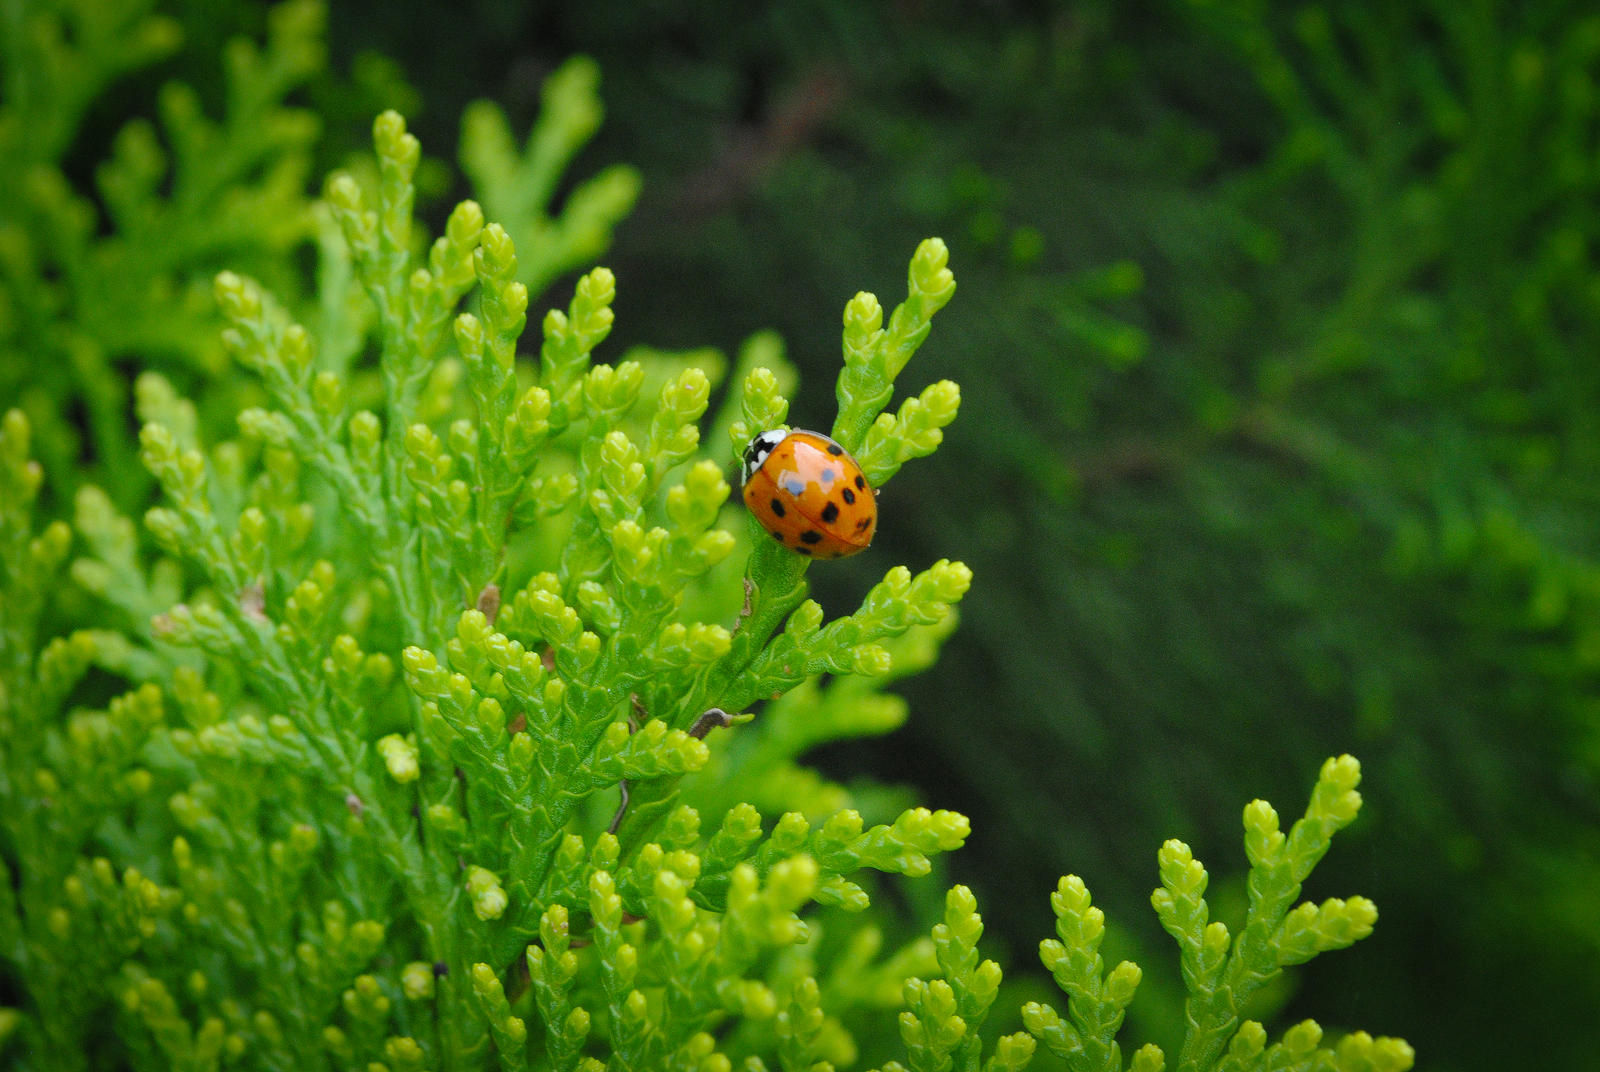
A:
(439, 715)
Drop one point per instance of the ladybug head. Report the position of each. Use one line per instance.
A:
(759, 448)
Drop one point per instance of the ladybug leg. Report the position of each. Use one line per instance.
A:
(622, 808)
(637, 716)
(709, 721)
(488, 602)
(748, 606)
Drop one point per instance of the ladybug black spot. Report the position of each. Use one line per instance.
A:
(777, 507)
(863, 524)
(776, 535)
(811, 536)
(849, 498)
(803, 550)
(830, 513)
(861, 482)
(835, 449)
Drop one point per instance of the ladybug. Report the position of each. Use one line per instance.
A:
(809, 493)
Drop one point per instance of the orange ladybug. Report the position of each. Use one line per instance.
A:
(809, 493)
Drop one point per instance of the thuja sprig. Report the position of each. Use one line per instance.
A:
(521, 706)
(1221, 978)
(757, 664)
(67, 920)
(1220, 972)
(518, 186)
(841, 845)
(1097, 998)
(940, 1027)
(874, 355)
(850, 645)
(176, 195)
(765, 769)
(753, 663)
(56, 72)
(659, 982)
(28, 562)
(942, 1015)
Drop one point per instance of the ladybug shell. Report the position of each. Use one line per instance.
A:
(809, 494)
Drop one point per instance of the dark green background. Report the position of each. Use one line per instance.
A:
(1277, 331)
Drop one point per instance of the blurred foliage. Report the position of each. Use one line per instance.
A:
(93, 277)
